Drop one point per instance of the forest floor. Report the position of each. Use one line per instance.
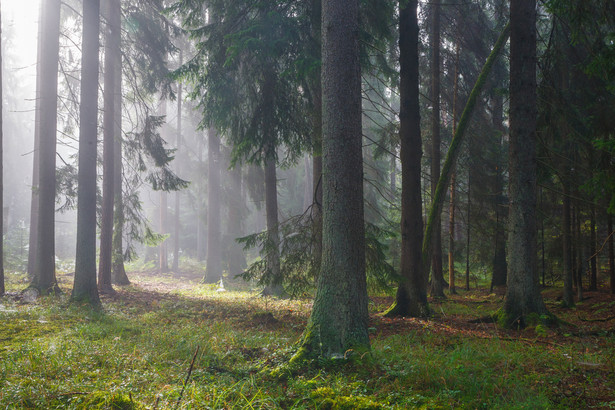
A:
(167, 341)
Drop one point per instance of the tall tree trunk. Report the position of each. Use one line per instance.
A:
(112, 53)
(468, 229)
(451, 210)
(307, 183)
(176, 224)
(118, 273)
(163, 250)
(316, 90)
(338, 322)
(579, 250)
(568, 297)
(85, 288)
(411, 297)
(44, 276)
(199, 207)
(274, 287)
(33, 234)
(593, 281)
(214, 261)
(437, 279)
(237, 259)
(523, 291)
(611, 254)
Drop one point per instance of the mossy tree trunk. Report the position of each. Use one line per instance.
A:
(411, 297)
(453, 153)
(85, 288)
(523, 298)
(339, 319)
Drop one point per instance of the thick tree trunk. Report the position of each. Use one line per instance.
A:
(411, 298)
(523, 296)
(274, 287)
(437, 279)
(338, 323)
(44, 277)
(214, 251)
(112, 53)
(85, 288)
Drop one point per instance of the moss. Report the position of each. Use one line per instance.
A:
(508, 320)
(116, 401)
(327, 398)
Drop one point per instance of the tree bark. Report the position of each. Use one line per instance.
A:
(274, 287)
(523, 296)
(85, 288)
(112, 53)
(568, 297)
(237, 259)
(579, 250)
(163, 251)
(176, 224)
(593, 281)
(338, 322)
(214, 261)
(44, 276)
(451, 210)
(118, 273)
(411, 297)
(437, 279)
(33, 234)
(611, 254)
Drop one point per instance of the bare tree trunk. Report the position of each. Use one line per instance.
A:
(523, 296)
(611, 254)
(411, 297)
(33, 235)
(579, 252)
(274, 287)
(214, 262)
(112, 52)
(308, 191)
(118, 273)
(85, 288)
(176, 223)
(593, 282)
(44, 277)
(199, 207)
(568, 297)
(437, 279)
(451, 211)
(468, 230)
(237, 259)
(163, 254)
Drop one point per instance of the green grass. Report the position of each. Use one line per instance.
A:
(137, 352)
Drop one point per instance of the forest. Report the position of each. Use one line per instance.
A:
(317, 204)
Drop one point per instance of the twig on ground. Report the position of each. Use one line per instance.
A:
(179, 399)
